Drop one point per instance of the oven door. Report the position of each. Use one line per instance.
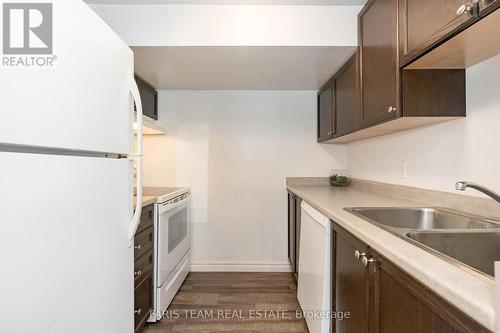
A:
(174, 236)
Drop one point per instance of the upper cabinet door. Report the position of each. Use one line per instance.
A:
(347, 97)
(149, 97)
(378, 29)
(326, 119)
(423, 22)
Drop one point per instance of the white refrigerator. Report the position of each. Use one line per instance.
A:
(67, 151)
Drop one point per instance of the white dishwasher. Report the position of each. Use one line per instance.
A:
(314, 282)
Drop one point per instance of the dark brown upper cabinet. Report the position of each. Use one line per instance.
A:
(149, 98)
(378, 40)
(326, 119)
(424, 22)
(338, 102)
(410, 70)
(346, 105)
(476, 39)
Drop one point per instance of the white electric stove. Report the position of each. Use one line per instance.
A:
(172, 244)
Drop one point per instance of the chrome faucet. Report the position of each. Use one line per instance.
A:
(462, 186)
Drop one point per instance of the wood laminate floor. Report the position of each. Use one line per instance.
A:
(233, 302)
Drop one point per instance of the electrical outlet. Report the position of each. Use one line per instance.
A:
(403, 169)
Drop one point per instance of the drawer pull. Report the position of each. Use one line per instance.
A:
(138, 247)
(138, 273)
(138, 312)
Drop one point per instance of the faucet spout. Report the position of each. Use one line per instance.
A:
(462, 186)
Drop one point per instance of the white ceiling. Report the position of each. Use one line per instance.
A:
(239, 67)
(236, 2)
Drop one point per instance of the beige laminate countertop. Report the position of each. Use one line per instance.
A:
(151, 194)
(473, 295)
(148, 200)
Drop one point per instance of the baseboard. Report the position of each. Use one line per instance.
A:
(240, 267)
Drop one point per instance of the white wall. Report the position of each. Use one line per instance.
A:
(235, 148)
(440, 155)
(226, 25)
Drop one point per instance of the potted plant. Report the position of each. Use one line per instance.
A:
(337, 180)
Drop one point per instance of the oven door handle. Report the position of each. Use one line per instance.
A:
(168, 207)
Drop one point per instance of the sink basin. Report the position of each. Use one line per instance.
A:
(467, 241)
(478, 250)
(422, 218)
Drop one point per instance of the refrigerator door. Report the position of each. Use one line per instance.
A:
(82, 102)
(67, 264)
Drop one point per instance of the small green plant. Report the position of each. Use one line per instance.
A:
(337, 180)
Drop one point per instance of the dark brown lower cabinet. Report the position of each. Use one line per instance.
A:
(402, 304)
(380, 297)
(352, 284)
(294, 213)
(143, 302)
(143, 269)
(298, 213)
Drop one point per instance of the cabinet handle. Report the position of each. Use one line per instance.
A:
(391, 109)
(138, 247)
(358, 254)
(367, 261)
(138, 312)
(138, 273)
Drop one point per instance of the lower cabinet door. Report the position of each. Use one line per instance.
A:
(381, 298)
(402, 304)
(352, 284)
(291, 232)
(298, 213)
(143, 302)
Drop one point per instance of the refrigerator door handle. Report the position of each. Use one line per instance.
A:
(136, 219)
(134, 90)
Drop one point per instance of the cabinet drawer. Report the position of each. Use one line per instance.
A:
(142, 267)
(143, 242)
(147, 218)
(143, 302)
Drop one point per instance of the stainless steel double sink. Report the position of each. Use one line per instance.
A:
(465, 240)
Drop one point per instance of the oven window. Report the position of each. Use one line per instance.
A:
(177, 229)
